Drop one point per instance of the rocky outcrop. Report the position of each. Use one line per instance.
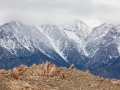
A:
(2, 72)
(36, 70)
(52, 70)
(47, 76)
(72, 67)
(15, 73)
(115, 81)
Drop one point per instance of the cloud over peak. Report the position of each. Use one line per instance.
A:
(92, 12)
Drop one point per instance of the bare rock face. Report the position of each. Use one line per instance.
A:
(41, 71)
(2, 72)
(46, 69)
(38, 71)
(34, 66)
(53, 70)
(72, 67)
(99, 78)
(22, 69)
(116, 82)
(15, 72)
(8, 73)
(46, 66)
(107, 80)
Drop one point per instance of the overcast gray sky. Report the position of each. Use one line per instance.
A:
(60, 12)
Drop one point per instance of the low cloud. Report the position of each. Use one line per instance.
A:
(60, 12)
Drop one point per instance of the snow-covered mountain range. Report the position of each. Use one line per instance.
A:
(96, 49)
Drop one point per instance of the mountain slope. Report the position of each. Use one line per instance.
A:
(65, 46)
(25, 42)
(96, 49)
(100, 46)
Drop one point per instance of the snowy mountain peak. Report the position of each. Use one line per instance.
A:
(105, 25)
(80, 23)
(118, 28)
(102, 30)
(19, 36)
(15, 22)
(79, 30)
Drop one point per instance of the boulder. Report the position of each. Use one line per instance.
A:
(15, 73)
(22, 69)
(72, 67)
(116, 82)
(2, 72)
(46, 66)
(41, 71)
(53, 70)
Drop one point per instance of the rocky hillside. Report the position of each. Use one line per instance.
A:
(47, 76)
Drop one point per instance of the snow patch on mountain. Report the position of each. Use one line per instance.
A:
(17, 35)
(78, 44)
(72, 35)
(82, 27)
(52, 43)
